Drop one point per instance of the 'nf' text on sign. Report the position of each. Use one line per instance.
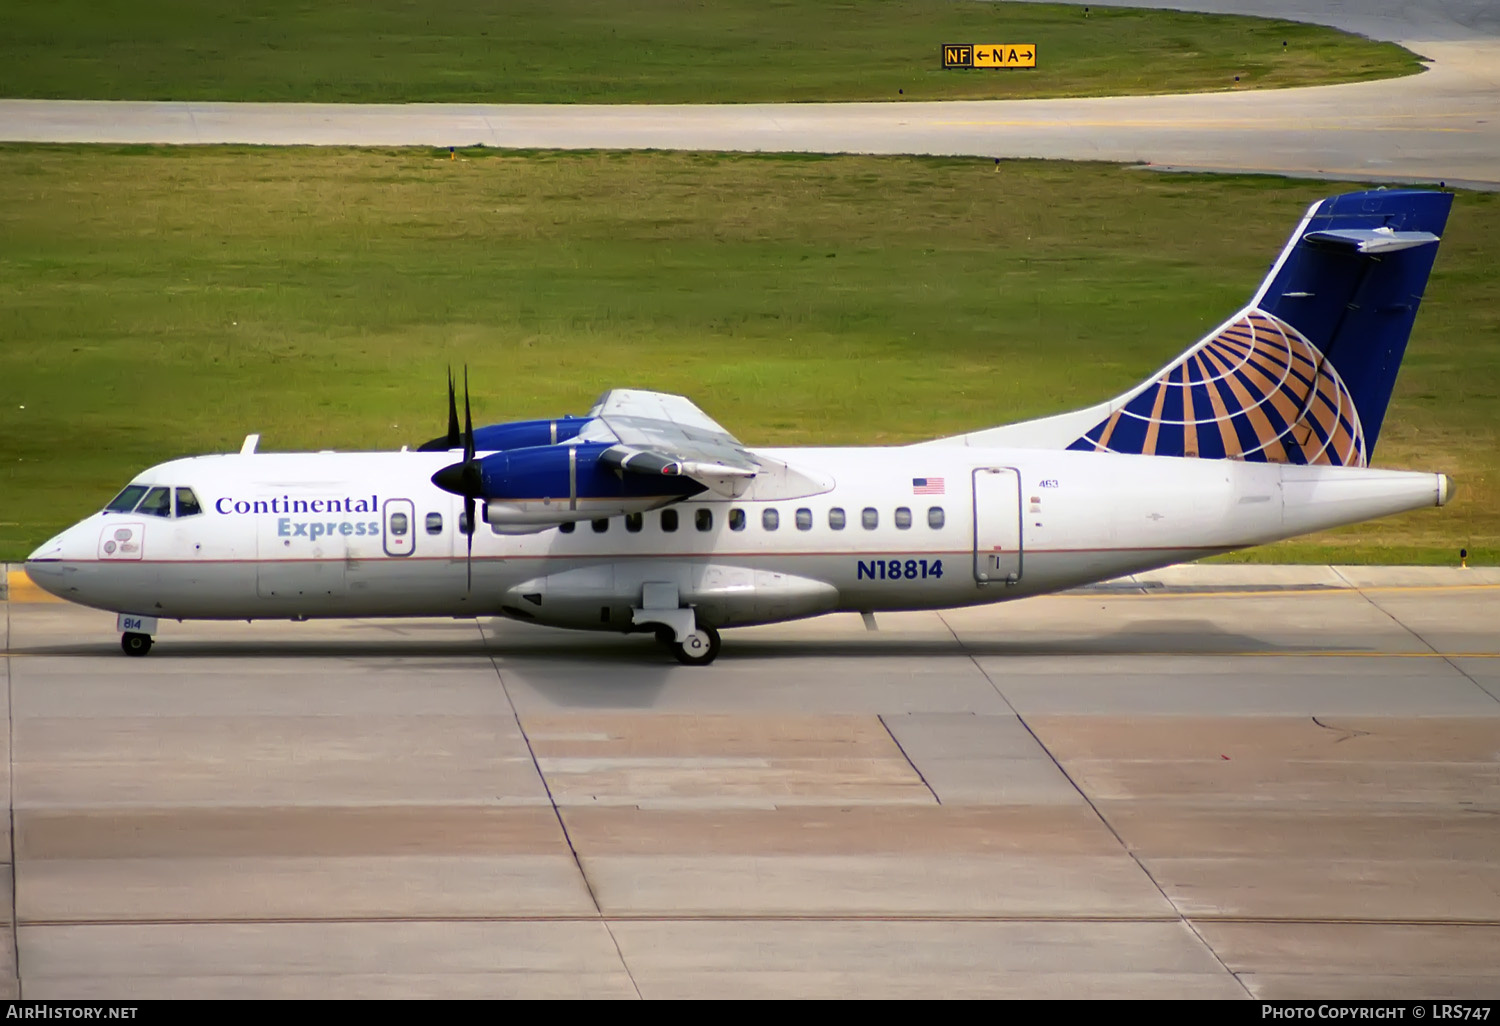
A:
(989, 55)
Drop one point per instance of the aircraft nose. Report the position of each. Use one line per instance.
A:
(49, 551)
(53, 566)
(76, 543)
(45, 566)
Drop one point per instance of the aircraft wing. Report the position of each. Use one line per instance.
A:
(659, 433)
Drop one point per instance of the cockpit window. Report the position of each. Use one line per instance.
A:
(126, 500)
(187, 503)
(157, 503)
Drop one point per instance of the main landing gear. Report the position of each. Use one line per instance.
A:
(699, 648)
(676, 625)
(135, 644)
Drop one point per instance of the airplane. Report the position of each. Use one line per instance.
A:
(645, 515)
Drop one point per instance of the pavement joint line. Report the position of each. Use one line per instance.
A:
(562, 824)
(1139, 591)
(1412, 631)
(108, 651)
(900, 748)
(1124, 848)
(876, 917)
(982, 672)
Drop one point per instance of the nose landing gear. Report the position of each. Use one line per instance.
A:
(135, 633)
(135, 643)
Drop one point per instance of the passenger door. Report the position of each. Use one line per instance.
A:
(997, 525)
(400, 527)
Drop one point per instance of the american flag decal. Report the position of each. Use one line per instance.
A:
(927, 486)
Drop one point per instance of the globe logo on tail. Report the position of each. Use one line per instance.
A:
(1256, 390)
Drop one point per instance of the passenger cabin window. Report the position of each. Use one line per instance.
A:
(567, 527)
(736, 520)
(935, 518)
(126, 500)
(464, 527)
(903, 518)
(434, 523)
(669, 520)
(836, 518)
(601, 525)
(770, 520)
(704, 518)
(804, 520)
(187, 503)
(399, 524)
(633, 522)
(157, 503)
(870, 518)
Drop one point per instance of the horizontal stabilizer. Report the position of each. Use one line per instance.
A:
(1372, 240)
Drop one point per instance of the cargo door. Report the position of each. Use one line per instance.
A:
(299, 555)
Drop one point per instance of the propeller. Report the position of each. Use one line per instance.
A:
(463, 478)
(452, 440)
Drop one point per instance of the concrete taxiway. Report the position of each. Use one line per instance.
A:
(1220, 781)
(1214, 781)
(1440, 125)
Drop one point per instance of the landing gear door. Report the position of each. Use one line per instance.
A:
(400, 523)
(997, 526)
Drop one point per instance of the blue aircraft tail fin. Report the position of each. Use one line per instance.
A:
(1304, 373)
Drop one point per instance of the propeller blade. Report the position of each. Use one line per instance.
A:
(469, 512)
(453, 436)
(468, 421)
(453, 439)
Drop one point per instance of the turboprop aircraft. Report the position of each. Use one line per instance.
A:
(646, 515)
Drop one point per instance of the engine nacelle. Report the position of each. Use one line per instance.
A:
(529, 490)
(602, 597)
(531, 516)
(523, 434)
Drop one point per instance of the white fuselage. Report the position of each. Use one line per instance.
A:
(316, 535)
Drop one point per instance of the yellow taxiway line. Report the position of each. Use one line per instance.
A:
(19, 588)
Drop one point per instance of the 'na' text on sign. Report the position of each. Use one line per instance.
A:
(989, 55)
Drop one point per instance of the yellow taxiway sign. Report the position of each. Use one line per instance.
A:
(989, 55)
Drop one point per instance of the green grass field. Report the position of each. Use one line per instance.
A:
(161, 302)
(662, 51)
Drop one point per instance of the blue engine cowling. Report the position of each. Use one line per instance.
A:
(524, 434)
(541, 486)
